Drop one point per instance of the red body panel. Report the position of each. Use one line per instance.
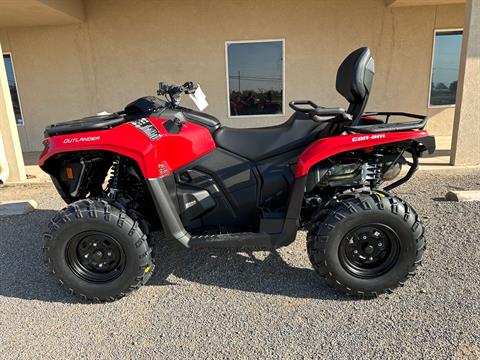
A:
(324, 148)
(170, 150)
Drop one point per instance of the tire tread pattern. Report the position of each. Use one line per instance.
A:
(101, 209)
(343, 205)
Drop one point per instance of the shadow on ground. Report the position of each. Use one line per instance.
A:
(24, 275)
(244, 271)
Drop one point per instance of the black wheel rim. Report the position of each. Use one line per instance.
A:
(370, 250)
(95, 256)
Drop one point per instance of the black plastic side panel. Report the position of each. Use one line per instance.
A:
(246, 196)
(194, 203)
(174, 228)
(231, 182)
(277, 175)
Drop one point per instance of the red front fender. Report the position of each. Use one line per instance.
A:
(154, 157)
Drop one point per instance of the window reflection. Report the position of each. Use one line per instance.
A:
(12, 84)
(446, 62)
(255, 78)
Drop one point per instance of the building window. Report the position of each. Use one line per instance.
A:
(445, 64)
(255, 78)
(12, 84)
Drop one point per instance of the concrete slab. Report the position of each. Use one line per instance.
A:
(470, 195)
(18, 207)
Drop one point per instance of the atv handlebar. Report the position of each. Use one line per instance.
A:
(174, 90)
(318, 113)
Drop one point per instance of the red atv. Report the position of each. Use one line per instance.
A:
(159, 166)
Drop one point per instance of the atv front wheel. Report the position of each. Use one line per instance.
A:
(365, 244)
(97, 251)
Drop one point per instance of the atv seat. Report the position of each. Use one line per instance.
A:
(92, 123)
(264, 142)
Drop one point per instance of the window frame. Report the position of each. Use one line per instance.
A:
(229, 115)
(435, 32)
(9, 53)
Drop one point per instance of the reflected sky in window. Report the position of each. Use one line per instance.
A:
(446, 63)
(255, 78)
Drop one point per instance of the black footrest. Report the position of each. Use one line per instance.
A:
(240, 239)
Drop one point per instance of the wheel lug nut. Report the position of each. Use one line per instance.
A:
(109, 254)
(350, 241)
(355, 251)
(94, 244)
(370, 258)
(85, 256)
(364, 237)
(100, 265)
(380, 244)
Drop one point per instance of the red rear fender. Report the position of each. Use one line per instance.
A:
(324, 148)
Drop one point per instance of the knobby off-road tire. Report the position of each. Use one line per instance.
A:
(96, 231)
(353, 225)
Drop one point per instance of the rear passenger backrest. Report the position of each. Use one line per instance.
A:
(354, 80)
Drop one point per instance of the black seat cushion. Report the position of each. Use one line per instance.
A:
(261, 143)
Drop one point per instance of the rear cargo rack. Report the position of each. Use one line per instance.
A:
(386, 126)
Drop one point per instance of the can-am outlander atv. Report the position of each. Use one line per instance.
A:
(159, 166)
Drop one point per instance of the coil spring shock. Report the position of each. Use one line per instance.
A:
(114, 180)
(373, 170)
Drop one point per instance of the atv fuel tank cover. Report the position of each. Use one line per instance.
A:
(145, 126)
(144, 106)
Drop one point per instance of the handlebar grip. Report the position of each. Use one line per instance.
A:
(176, 89)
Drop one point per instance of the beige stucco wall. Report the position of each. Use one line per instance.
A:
(441, 118)
(466, 139)
(125, 47)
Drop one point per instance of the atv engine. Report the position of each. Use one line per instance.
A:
(356, 171)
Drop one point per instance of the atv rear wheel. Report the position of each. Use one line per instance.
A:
(367, 243)
(97, 251)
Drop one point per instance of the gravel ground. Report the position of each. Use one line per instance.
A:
(224, 304)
